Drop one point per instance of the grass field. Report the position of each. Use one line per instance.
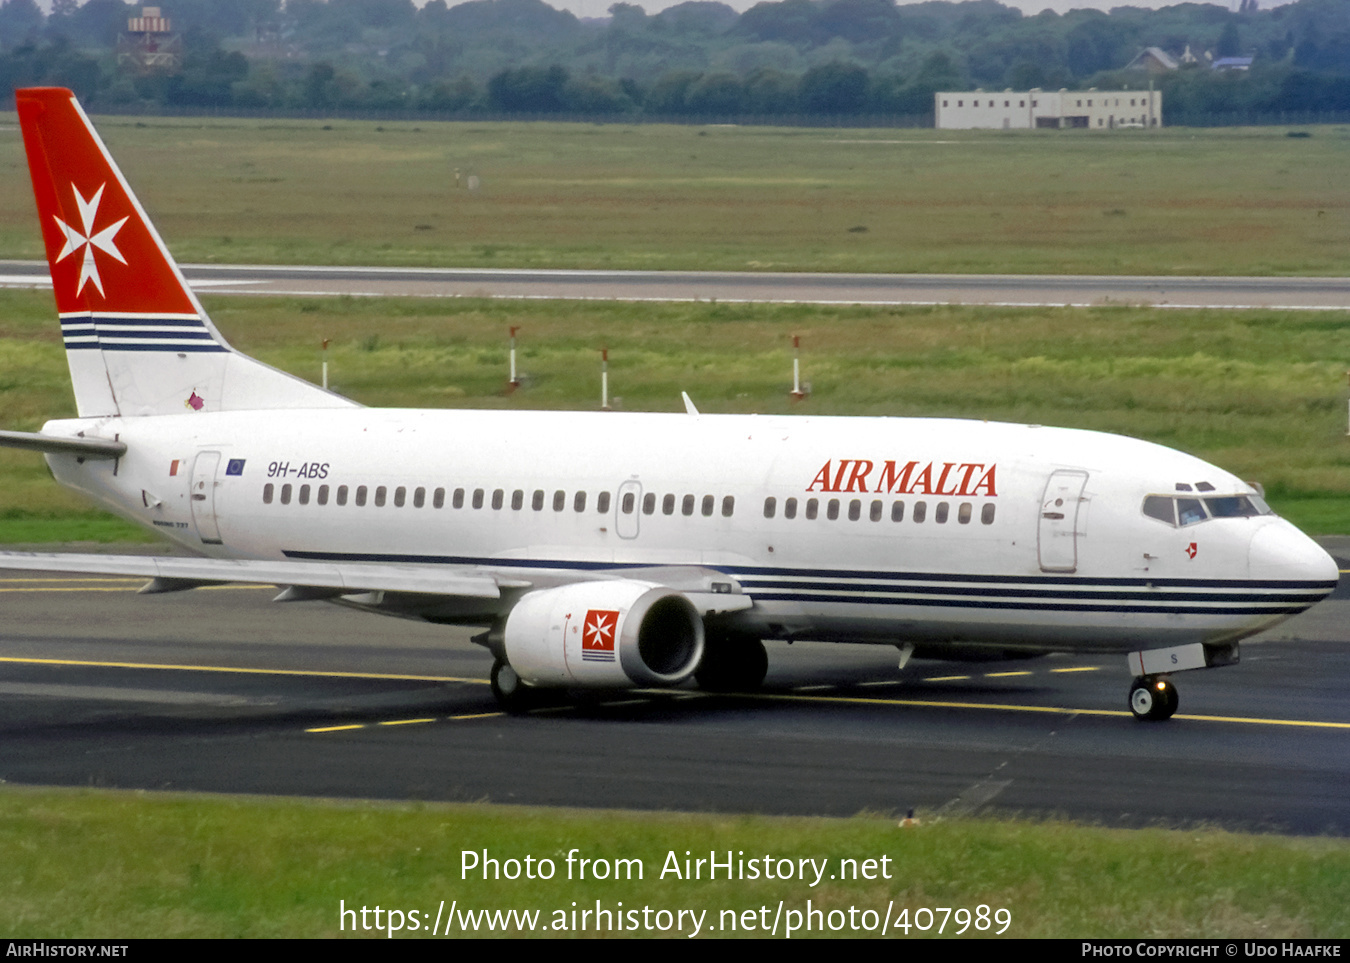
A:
(1261, 393)
(1169, 201)
(116, 864)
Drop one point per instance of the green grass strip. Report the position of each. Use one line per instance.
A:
(94, 863)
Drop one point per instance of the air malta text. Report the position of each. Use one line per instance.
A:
(934, 478)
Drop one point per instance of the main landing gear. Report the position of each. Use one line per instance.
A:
(1153, 698)
(512, 694)
(732, 663)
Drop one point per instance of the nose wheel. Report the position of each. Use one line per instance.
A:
(1153, 698)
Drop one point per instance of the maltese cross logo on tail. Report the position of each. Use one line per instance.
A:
(104, 240)
(597, 635)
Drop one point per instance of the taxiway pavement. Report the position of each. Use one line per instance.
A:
(220, 690)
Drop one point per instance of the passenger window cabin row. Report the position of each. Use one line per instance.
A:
(687, 505)
(876, 510)
(362, 495)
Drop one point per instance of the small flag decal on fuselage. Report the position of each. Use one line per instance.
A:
(597, 635)
(173, 466)
(235, 466)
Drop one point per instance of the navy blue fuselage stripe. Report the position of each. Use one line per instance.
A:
(1250, 606)
(1058, 589)
(748, 572)
(1088, 592)
(751, 571)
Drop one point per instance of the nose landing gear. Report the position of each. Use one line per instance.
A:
(1153, 698)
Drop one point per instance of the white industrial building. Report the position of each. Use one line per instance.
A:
(1020, 110)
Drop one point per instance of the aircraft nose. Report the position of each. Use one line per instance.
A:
(1278, 550)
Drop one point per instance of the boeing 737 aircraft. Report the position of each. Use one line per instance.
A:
(610, 550)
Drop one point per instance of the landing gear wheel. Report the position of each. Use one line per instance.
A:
(1173, 700)
(732, 664)
(513, 695)
(1153, 699)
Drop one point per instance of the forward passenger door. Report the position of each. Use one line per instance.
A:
(1057, 540)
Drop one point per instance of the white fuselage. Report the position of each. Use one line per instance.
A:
(1016, 536)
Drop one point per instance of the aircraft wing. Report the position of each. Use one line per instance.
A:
(168, 574)
(710, 591)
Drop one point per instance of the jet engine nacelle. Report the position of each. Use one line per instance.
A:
(604, 634)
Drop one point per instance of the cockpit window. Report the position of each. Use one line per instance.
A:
(1190, 511)
(1162, 508)
(1179, 511)
(1234, 506)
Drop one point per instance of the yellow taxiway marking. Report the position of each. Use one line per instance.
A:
(1053, 710)
(946, 678)
(403, 722)
(1002, 675)
(243, 671)
(1080, 668)
(781, 697)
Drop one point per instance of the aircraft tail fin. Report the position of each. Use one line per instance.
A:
(136, 338)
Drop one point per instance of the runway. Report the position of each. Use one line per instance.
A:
(876, 289)
(220, 690)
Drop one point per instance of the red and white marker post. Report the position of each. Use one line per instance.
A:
(514, 381)
(797, 393)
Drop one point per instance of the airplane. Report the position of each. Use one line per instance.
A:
(612, 551)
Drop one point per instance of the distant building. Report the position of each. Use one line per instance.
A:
(1155, 60)
(1232, 63)
(1021, 110)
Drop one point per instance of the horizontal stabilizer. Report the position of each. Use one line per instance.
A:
(87, 447)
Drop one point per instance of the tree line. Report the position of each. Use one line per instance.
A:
(784, 58)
